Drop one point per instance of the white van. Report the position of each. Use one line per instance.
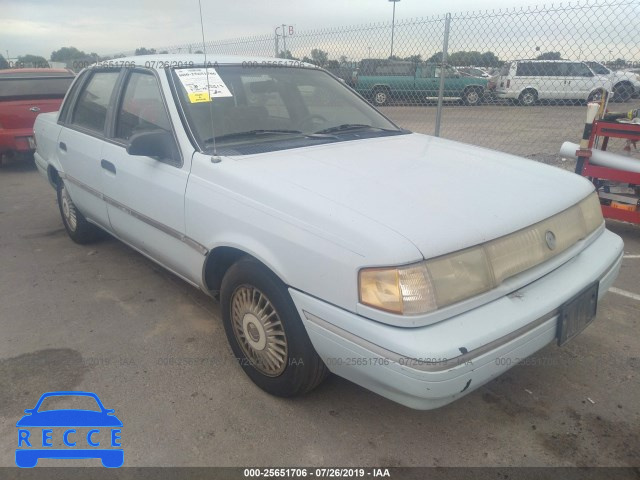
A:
(528, 81)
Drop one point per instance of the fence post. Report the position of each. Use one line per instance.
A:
(277, 44)
(445, 47)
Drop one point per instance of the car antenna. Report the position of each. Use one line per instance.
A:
(215, 158)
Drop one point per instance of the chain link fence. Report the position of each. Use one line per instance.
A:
(514, 80)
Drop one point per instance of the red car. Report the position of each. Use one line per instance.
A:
(24, 93)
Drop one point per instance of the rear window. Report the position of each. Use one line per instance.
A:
(40, 87)
(504, 71)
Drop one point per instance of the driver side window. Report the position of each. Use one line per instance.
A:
(142, 108)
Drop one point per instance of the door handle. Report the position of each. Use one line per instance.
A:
(107, 165)
(63, 146)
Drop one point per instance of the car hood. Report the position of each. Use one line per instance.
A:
(619, 77)
(440, 195)
(69, 418)
(631, 77)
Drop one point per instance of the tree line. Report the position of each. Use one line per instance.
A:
(71, 57)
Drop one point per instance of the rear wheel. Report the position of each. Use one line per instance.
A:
(380, 96)
(77, 227)
(265, 332)
(528, 98)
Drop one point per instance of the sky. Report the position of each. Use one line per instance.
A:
(39, 27)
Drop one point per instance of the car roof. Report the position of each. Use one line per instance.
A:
(160, 61)
(37, 72)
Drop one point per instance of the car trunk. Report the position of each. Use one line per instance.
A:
(24, 96)
(20, 114)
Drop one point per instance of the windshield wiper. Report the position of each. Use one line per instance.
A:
(255, 133)
(352, 126)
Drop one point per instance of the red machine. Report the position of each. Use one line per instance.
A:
(619, 190)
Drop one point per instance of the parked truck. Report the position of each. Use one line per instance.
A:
(384, 80)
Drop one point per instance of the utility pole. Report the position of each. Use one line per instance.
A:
(393, 24)
(284, 38)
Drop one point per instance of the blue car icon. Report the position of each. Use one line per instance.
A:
(102, 419)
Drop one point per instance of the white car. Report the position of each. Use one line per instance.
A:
(528, 81)
(625, 85)
(417, 267)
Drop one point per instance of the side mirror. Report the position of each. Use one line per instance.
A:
(154, 143)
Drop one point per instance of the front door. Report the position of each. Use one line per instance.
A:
(145, 195)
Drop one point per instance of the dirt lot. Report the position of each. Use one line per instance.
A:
(102, 318)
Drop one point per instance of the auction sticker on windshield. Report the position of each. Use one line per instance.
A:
(202, 84)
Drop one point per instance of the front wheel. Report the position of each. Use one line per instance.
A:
(77, 227)
(622, 92)
(472, 97)
(265, 332)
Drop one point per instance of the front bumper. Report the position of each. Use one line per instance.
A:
(411, 367)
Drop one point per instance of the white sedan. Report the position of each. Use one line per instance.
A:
(417, 267)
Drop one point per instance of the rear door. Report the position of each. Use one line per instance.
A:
(549, 79)
(503, 80)
(81, 141)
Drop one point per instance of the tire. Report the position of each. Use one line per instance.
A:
(472, 97)
(77, 227)
(279, 359)
(528, 98)
(622, 92)
(380, 97)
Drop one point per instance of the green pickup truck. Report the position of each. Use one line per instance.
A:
(383, 80)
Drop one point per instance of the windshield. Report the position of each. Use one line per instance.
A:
(253, 109)
(598, 69)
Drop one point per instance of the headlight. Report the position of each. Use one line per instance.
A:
(404, 290)
(442, 281)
